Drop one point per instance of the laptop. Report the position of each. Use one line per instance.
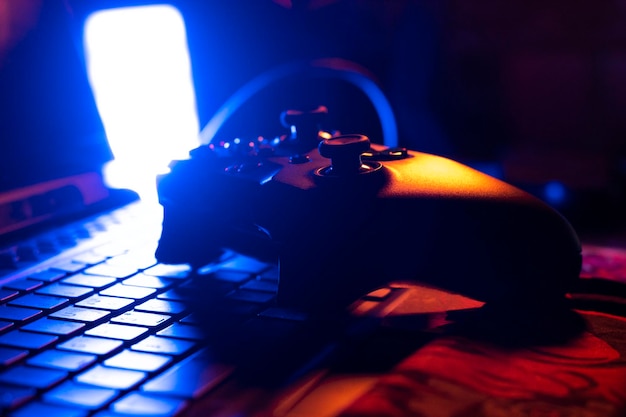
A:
(92, 325)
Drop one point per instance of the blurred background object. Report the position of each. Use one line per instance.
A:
(16, 19)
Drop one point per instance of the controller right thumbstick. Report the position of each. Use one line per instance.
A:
(345, 153)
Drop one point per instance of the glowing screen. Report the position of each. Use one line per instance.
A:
(139, 69)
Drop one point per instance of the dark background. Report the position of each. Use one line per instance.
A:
(531, 91)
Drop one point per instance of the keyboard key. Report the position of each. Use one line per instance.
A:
(182, 331)
(27, 253)
(162, 306)
(108, 270)
(89, 258)
(12, 397)
(190, 378)
(228, 275)
(31, 377)
(58, 359)
(66, 239)
(105, 303)
(139, 361)
(48, 275)
(92, 281)
(9, 356)
(47, 246)
(191, 289)
(117, 331)
(41, 302)
(88, 315)
(142, 280)
(172, 295)
(245, 263)
(261, 285)
(272, 274)
(155, 344)
(169, 271)
(92, 345)
(135, 259)
(5, 325)
(81, 232)
(191, 285)
(70, 267)
(95, 227)
(26, 340)
(235, 311)
(114, 378)
(110, 249)
(78, 395)
(139, 404)
(6, 294)
(128, 291)
(251, 296)
(18, 313)
(62, 290)
(141, 319)
(25, 285)
(57, 327)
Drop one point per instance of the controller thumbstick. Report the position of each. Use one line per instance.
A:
(304, 125)
(345, 154)
(290, 118)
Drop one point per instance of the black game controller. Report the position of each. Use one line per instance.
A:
(343, 216)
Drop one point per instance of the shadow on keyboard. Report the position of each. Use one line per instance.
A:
(92, 325)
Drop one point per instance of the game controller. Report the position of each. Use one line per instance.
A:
(343, 216)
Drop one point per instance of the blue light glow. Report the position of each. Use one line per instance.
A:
(555, 192)
(139, 69)
(330, 68)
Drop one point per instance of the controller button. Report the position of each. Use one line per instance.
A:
(299, 159)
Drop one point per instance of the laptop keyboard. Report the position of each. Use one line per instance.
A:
(92, 325)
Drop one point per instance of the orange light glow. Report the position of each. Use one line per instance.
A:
(435, 176)
(324, 135)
